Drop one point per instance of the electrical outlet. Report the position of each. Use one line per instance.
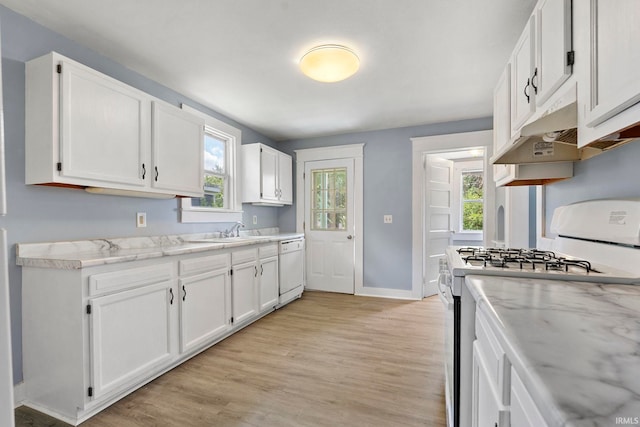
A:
(141, 219)
(388, 219)
(255, 219)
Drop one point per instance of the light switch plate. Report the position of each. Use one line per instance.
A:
(141, 219)
(388, 219)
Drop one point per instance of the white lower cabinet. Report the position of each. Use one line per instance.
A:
(254, 282)
(268, 277)
(524, 412)
(244, 285)
(487, 408)
(93, 335)
(499, 397)
(205, 300)
(130, 336)
(490, 397)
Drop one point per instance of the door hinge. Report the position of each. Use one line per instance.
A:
(304, 175)
(59, 68)
(231, 272)
(232, 320)
(571, 57)
(59, 166)
(90, 392)
(304, 225)
(261, 149)
(88, 308)
(261, 195)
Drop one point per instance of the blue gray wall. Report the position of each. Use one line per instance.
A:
(38, 214)
(612, 174)
(387, 190)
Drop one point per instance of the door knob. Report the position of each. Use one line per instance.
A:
(349, 237)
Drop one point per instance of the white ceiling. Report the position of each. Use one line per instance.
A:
(422, 61)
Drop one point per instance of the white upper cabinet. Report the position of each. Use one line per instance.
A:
(285, 178)
(611, 84)
(554, 54)
(541, 61)
(104, 128)
(177, 151)
(522, 95)
(502, 119)
(268, 175)
(85, 129)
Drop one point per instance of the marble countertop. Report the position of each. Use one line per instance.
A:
(575, 345)
(90, 253)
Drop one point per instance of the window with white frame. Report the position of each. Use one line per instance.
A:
(471, 200)
(221, 201)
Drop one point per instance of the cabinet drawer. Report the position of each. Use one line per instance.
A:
(104, 283)
(202, 264)
(498, 365)
(240, 257)
(268, 251)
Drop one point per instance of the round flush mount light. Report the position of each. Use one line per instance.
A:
(329, 63)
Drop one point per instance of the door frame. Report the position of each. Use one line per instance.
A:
(350, 151)
(422, 146)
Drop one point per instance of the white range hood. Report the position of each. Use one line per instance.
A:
(550, 136)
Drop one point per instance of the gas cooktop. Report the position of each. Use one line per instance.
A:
(524, 259)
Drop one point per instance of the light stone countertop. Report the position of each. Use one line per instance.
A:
(575, 345)
(90, 253)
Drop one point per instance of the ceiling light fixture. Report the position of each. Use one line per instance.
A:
(329, 63)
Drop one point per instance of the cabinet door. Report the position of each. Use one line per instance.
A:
(130, 336)
(502, 120)
(285, 178)
(205, 308)
(486, 407)
(104, 128)
(268, 283)
(178, 151)
(614, 59)
(522, 93)
(269, 173)
(524, 412)
(244, 291)
(553, 43)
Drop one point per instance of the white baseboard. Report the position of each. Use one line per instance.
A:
(386, 293)
(18, 394)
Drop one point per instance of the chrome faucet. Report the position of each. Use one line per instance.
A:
(235, 227)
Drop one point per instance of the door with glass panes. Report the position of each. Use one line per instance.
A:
(329, 225)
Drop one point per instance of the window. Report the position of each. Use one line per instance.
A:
(472, 193)
(220, 203)
(329, 204)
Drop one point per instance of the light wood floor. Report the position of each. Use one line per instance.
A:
(324, 360)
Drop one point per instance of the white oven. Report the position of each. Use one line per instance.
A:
(597, 241)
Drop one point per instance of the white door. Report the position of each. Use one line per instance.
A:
(438, 188)
(329, 225)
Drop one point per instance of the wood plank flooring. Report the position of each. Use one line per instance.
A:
(324, 360)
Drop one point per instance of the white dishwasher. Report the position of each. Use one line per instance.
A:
(291, 265)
